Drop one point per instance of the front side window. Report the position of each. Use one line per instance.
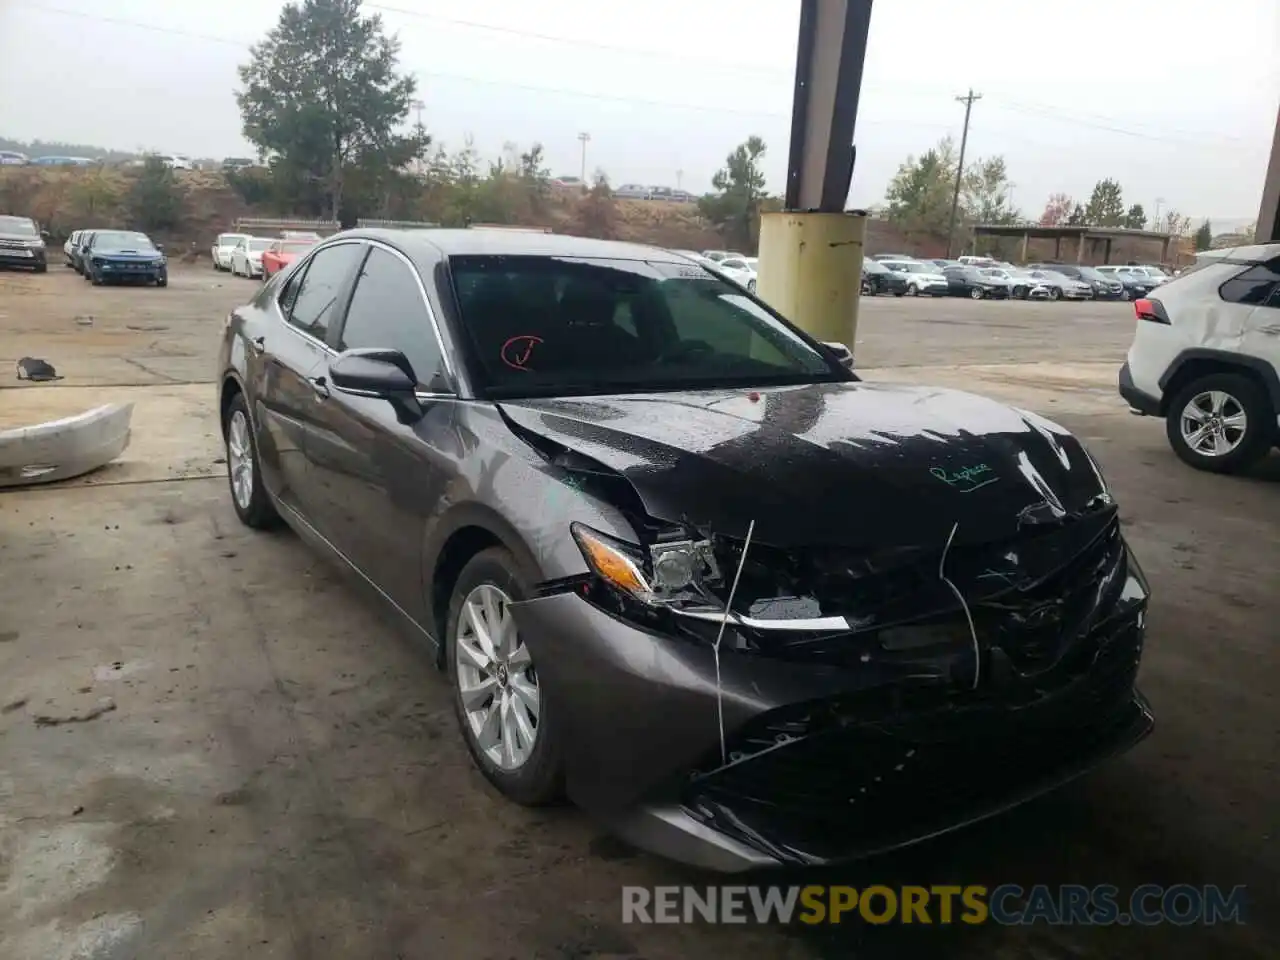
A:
(388, 312)
(540, 326)
(313, 303)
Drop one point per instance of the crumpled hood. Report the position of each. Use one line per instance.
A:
(851, 463)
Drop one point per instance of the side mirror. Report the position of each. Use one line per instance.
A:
(44, 234)
(843, 354)
(160, 247)
(379, 374)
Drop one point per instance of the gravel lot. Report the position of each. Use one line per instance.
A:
(276, 773)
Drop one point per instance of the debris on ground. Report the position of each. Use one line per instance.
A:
(85, 320)
(36, 370)
(102, 707)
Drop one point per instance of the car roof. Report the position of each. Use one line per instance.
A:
(431, 244)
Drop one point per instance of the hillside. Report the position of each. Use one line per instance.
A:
(63, 199)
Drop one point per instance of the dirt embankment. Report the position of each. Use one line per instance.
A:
(66, 199)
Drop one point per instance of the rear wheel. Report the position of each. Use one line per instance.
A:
(1055, 293)
(976, 293)
(1222, 423)
(912, 290)
(248, 496)
(501, 705)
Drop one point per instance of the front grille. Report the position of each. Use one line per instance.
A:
(840, 778)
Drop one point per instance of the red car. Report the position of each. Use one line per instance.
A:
(282, 253)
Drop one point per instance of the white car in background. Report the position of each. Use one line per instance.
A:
(220, 252)
(741, 270)
(923, 278)
(246, 256)
(1206, 358)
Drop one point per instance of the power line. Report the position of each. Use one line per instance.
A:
(1000, 102)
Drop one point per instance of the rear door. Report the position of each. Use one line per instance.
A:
(1258, 288)
(379, 477)
(292, 357)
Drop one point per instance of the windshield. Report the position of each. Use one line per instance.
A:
(19, 225)
(1155, 272)
(1088, 273)
(230, 239)
(298, 247)
(259, 246)
(549, 326)
(921, 268)
(753, 263)
(121, 240)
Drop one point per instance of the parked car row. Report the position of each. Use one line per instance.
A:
(636, 191)
(245, 255)
(982, 278)
(116, 256)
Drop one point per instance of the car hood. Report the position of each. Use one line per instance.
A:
(850, 463)
(128, 254)
(24, 237)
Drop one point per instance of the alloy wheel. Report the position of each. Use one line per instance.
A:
(1213, 423)
(497, 682)
(240, 459)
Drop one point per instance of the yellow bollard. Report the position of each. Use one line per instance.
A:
(811, 271)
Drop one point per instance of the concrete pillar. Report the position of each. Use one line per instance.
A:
(811, 254)
(1269, 213)
(1080, 245)
(1164, 249)
(1057, 248)
(811, 270)
(1026, 239)
(1106, 252)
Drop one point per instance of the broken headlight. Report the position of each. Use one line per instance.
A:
(668, 572)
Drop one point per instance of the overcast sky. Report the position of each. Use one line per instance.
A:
(1177, 100)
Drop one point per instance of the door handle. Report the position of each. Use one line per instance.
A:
(259, 344)
(320, 385)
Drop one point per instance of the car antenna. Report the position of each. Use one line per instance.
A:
(724, 620)
(973, 633)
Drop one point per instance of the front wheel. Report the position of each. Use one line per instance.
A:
(500, 703)
(913, 290)
(42, 268)
(1055, 293)
(976, 293)
(1222, 423)
(95, 278)
(162, 280)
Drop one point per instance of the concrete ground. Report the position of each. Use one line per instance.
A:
(211, 746)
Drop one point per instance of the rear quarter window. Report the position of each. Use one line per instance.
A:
(1256, 286)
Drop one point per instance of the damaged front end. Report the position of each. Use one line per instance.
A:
(813, 704)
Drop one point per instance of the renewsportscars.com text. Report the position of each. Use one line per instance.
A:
(1007, 904)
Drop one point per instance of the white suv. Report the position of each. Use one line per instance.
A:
(1206, 357)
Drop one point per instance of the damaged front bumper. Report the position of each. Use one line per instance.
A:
(828, 758)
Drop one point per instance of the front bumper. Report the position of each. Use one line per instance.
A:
(141, 272)
(23, 257)
(1138, 400)
(907, 760)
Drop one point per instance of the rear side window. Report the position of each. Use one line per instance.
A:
(1257, 286)
(312, 305)
(387, 311)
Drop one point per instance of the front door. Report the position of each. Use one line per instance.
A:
(296, 359)
(377, 475)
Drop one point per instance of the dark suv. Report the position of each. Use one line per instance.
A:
(22, 244)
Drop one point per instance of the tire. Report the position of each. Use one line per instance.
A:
(900, 293)
(253, 504)
(912, 290)
(1239, 395)
(1055, 293)
(976, 293)
(539, 779)
(1127, 295)
(42, 268)
(162, 281)
(95, 278)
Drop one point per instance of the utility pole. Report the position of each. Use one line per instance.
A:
(418, 106)
(1155, 221)
(584, 137)
(679, 179)
(968, 101)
